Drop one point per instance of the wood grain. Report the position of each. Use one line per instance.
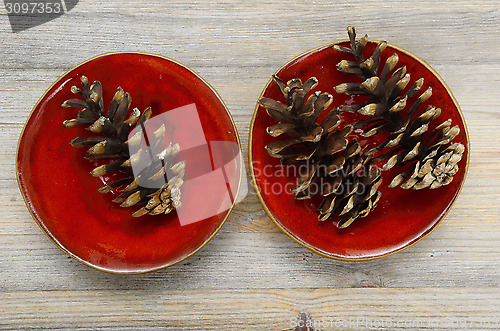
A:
(235, 309)
(251, 276)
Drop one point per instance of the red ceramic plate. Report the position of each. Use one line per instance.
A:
(401, 218)
(62, 196)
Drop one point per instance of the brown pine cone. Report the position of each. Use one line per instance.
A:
(329, 163)
(157, 185)
(393, 110)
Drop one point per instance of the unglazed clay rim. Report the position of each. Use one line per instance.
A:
(307, 245)
(54, 240)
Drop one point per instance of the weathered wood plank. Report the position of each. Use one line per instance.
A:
(353, 309)
(447, 258)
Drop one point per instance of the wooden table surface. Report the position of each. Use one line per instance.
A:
(251, 276)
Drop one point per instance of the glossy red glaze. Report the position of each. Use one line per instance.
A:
(402, 217)
(62, 195)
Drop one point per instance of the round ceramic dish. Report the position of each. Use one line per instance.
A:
(62, 196)
(402, 217)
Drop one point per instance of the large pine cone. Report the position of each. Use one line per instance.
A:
(393, 110)
(329, 163)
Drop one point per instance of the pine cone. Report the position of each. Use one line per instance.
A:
(387, 100)
(330, 165)
(150, 186)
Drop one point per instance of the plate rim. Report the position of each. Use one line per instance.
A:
(309, 246)
(54, 240)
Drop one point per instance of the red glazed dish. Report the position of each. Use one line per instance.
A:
(402, 217)
(62, 196)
